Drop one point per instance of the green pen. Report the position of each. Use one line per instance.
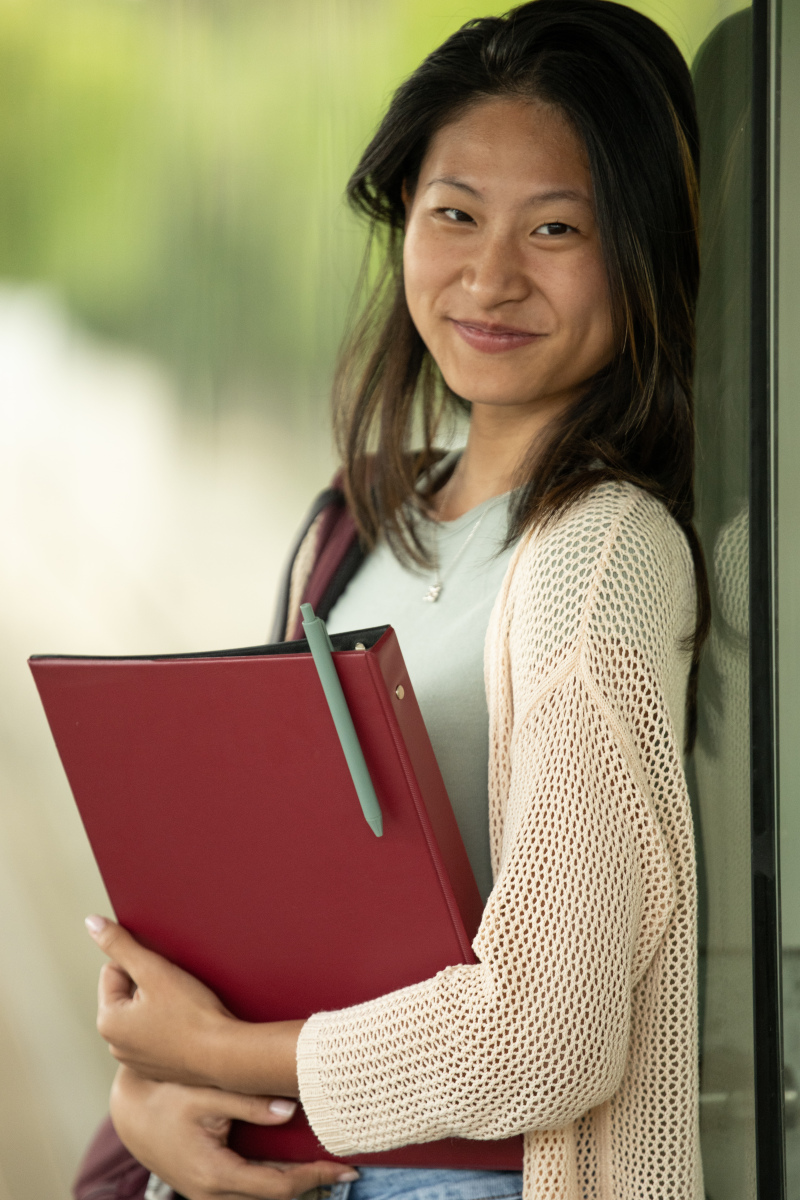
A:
(319, 644)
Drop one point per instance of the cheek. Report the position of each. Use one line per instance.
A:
(587, 303)
(416, 273)
(412, 274)
(599, 297)
(425, 274)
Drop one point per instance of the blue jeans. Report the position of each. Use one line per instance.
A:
(429, 1183)
(412, 1183)
(402, 1183)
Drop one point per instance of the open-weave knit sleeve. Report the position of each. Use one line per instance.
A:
(539, 1032)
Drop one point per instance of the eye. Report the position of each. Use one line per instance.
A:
(456, 215)
(554, 229)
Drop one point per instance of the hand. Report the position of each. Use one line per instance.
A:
(154, 1016)
(180, 1133)
(168, 1026)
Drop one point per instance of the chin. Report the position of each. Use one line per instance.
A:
(489, 394)
(488, 383)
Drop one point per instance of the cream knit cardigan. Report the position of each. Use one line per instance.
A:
(578, 1025)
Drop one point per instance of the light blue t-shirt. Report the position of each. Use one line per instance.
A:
(442, 645)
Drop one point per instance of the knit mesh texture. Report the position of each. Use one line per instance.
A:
(578, 1025)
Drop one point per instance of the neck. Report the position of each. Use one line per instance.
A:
(498, 442)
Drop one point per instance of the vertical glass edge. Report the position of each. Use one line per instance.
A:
(767, 983)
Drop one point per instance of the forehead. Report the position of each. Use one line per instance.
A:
(507, 141)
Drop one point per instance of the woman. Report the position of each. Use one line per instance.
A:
(537, 179)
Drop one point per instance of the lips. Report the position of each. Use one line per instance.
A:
(493, 339)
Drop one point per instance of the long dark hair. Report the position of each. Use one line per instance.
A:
(625, 88)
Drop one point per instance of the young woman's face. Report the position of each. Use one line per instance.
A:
(504, 273)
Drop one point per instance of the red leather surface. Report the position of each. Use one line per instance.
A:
(222, 815)
(425, 780)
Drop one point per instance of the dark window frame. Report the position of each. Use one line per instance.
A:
(767, 997)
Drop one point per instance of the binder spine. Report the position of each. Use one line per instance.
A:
(420, 807)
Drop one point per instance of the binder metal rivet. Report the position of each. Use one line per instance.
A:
(399, 691)
(359, 646)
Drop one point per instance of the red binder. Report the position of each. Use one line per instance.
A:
(221, 811)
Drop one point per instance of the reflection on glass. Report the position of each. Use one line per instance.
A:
(721, 766)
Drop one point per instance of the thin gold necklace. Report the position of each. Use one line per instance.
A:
(435, 590)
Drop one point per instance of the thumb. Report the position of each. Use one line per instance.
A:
(120, 946)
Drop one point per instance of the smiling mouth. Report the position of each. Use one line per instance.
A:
(493, 339)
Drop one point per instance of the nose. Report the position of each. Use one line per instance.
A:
(495, 273)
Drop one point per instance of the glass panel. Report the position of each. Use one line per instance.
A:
(720, 771)
(788, 450)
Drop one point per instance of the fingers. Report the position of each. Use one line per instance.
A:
(232, 1175)
(258, 1110)
(119, 945)
(226, 1174)
(181, 1133)
(115, 985)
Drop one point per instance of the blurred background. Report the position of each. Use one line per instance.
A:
(176, 266)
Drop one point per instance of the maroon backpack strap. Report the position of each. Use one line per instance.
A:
(281, 619)
(337, 556)
(108, 1171)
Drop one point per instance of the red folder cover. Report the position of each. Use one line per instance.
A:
(222, 815)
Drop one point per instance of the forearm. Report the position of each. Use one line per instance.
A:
(256, 1059)
(456, 1057)
(537, 1033)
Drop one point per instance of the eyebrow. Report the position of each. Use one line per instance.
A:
(537, 198)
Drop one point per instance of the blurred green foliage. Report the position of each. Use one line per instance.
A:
(174, 168)
(167, 168)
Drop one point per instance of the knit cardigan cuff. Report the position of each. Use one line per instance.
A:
(322, 1116)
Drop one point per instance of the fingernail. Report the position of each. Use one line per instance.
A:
(95, 924)
(347, 1177)
(282, 1108)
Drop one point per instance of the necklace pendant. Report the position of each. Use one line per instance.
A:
(432, 594)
